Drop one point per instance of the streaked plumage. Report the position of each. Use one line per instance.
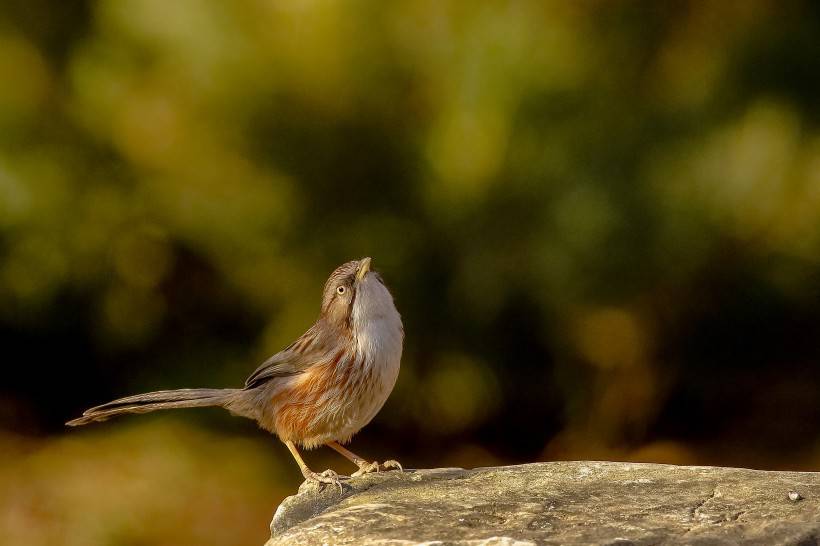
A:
(322, 388)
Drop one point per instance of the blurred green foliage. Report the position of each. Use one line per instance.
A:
(600, 220)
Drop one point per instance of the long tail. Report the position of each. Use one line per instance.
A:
(153, 401)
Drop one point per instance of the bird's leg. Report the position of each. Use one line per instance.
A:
(364, 465)
(328, 476)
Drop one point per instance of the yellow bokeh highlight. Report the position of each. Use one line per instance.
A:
(460, 392)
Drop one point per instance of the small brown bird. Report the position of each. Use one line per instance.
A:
(322, 388)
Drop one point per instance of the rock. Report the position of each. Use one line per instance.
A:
(557, 503)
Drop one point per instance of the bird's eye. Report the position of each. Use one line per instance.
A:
(340, 290)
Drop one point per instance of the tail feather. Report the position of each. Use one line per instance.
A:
(153, 401)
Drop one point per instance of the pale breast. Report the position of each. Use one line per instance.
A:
(383, 341)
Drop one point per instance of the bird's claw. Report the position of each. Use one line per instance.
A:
(326, 477)
(367, 468)
(391, 463)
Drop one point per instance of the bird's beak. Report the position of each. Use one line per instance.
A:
(364, 267)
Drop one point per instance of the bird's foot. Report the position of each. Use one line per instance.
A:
(366, 467)
(326, 477)
(391, 463)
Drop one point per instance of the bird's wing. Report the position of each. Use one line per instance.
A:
(295, 359)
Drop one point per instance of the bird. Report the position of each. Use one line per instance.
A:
(321, 389)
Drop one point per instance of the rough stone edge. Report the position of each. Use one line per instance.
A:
(313, 500)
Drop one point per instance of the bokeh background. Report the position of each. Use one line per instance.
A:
(600, 221)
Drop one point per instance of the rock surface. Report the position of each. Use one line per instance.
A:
(558, 503)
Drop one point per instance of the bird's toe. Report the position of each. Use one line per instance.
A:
(391, 463)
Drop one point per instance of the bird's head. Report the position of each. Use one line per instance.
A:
(355, 297)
